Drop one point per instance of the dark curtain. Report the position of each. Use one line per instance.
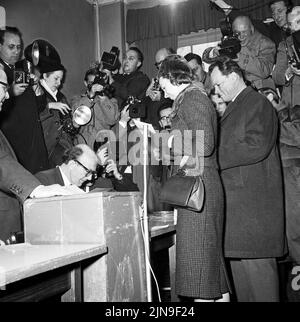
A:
(158, 27)
(185, 17)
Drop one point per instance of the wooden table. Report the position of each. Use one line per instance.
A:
(39, 272)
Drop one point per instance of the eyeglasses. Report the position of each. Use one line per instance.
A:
(241, 33)
(165, 118)
(88, 171)
(157, 65)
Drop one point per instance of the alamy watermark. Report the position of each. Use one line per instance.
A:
(296, 279)
(162, 147)
(2, 279)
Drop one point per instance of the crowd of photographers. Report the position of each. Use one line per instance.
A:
(66, 141)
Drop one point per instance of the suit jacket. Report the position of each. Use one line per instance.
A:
(51, 176)
(16, 184)
(252, 179)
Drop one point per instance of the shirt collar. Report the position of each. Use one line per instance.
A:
(238, 94)
(9, 65)
(47, 88)
(65, 178)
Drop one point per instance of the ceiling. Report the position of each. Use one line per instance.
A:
(135, 4)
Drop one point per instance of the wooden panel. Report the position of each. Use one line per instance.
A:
(38, 288)
(111, 217)
(23, 260)
(125, 261)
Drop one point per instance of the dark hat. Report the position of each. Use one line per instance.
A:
(48, 66)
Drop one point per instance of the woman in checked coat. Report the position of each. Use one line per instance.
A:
(200, 267)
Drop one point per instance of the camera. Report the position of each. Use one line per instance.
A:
(156, 86)
(110, 60)
(230, 44)
(21, 77)
(137, 109)
(67, 125)
(22, 73)
(102, 79)
(70, 123)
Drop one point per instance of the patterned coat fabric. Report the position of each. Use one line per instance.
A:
(252, 178)
(16, 184)
(200, 269)
(290, 155)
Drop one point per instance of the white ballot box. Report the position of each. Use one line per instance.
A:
(110, 218)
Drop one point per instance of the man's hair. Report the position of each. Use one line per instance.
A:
(11, 30)
(72, 154)
(171, 51)
(176, 69)
(163, 107)
(288, 3)
(139, 54)
(92, 71)
(226, 66)
(191, 56)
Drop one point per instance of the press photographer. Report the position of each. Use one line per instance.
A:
(20, 120)
(132, 82)
(98, 98)
(287, 68)
(257, 54)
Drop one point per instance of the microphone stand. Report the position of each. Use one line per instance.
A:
(145, 214)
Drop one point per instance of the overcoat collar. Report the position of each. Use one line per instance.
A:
(235, 104)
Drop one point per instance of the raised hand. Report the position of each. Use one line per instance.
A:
(62, 107)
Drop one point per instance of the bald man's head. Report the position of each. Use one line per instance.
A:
(161, 54)
(80, 164)
(243, 28)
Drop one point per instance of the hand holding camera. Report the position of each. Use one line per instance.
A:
(62, 107)
(102, 155)
(96, 88)
(111, 169)
(153, 91)
(18, 89)
(125, 114)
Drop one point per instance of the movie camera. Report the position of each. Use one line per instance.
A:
(230, 45)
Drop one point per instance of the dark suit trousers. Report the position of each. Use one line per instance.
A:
(255, 280)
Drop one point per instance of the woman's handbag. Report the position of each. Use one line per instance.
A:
(184, 191)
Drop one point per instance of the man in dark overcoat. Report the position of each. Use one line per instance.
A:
(252, 180)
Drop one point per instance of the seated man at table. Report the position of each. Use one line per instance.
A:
(79, 166)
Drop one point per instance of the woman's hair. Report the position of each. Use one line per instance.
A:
(176, 69)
